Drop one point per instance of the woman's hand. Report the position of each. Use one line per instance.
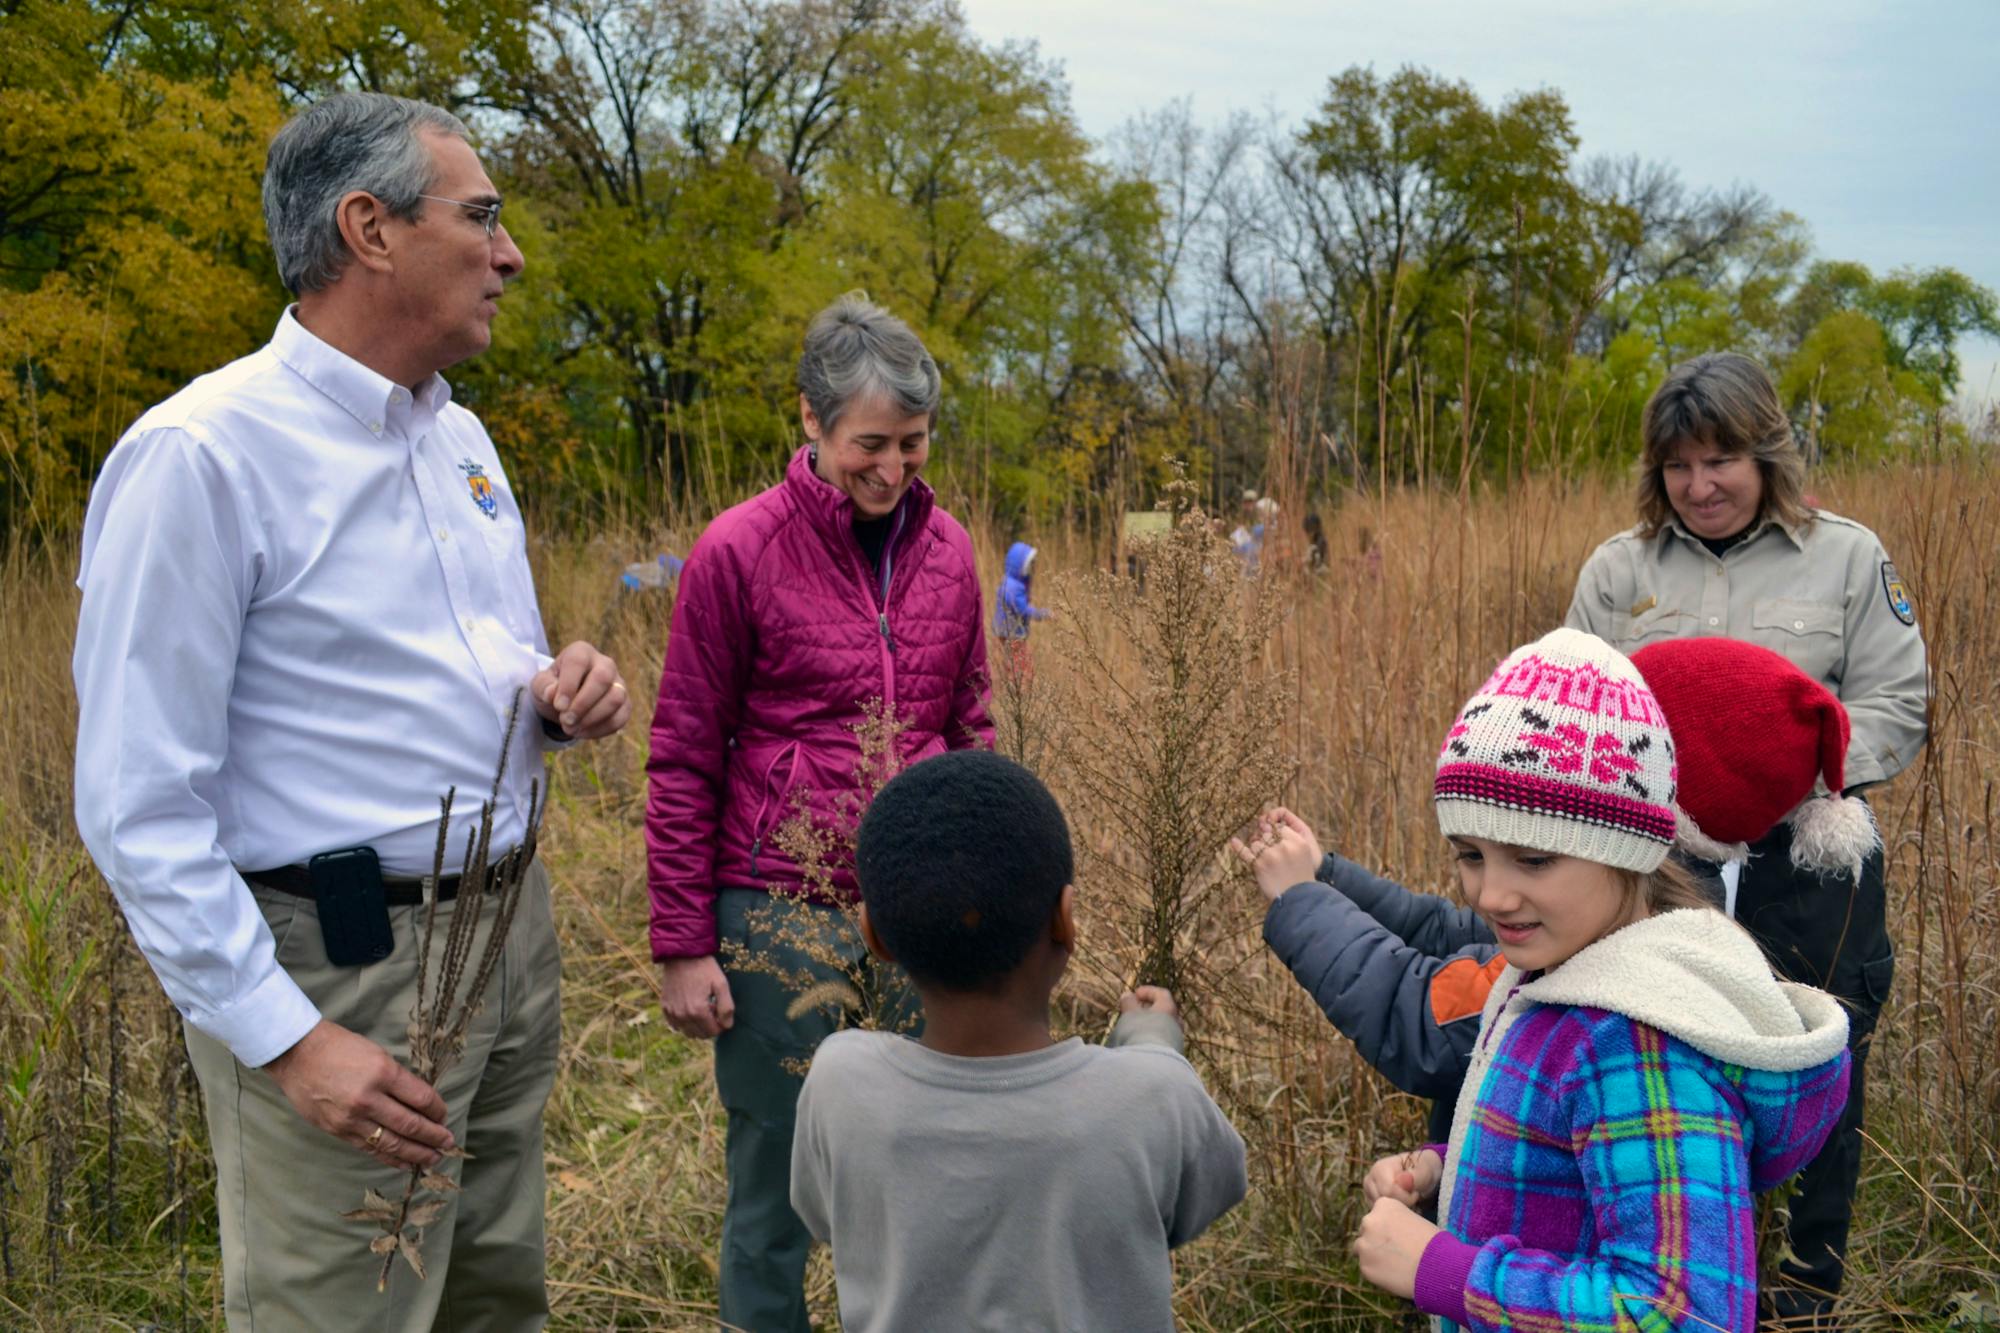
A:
(1390, 1245)
(1284, 852)
(694, 995)
(1407, 1177)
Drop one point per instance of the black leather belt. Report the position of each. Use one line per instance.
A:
(396, 892)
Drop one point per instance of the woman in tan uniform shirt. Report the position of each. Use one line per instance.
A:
(1727, 546)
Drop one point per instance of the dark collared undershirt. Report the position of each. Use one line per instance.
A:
(1719, 546)
(873, 534)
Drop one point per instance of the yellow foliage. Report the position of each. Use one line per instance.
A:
(131, 253)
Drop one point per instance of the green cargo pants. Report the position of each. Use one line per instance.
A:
(289, 1261)
(764, 1244)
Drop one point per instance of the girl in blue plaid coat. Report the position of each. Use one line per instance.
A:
(1639, 1076)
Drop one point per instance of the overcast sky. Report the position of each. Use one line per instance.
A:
(1878, 123)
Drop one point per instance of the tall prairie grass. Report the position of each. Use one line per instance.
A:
(104, 1188)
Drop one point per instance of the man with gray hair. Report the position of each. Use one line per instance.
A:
(307, 612)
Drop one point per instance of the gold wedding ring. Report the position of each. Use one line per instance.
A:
(375, 1140)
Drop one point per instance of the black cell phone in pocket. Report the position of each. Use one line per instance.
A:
(353, 909)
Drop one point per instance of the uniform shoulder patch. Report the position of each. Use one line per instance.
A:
(1898, 595)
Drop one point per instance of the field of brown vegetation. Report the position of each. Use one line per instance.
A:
(105, 1212)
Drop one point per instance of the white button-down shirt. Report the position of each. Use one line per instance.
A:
(306, 610)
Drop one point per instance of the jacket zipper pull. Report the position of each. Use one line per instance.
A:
(755, 848)
(882, 623)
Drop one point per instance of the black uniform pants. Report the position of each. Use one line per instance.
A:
(1827, 931)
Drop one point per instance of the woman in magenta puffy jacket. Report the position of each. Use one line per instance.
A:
(843, 584)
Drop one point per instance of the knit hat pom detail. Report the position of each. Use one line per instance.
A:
(1833, 833)
(1689, 838)
(1562, 750)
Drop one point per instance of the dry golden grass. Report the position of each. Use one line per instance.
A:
(1384, 646)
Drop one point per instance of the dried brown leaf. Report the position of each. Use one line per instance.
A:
(382, 1245)
(457, 1152)
(427, 1212)
(439, 1181)
(386, 1215)
(373, 1199)
(412, 1251)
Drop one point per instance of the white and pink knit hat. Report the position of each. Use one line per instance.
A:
(1563, 750)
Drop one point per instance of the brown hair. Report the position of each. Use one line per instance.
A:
(1667, 889)
(1725, 400)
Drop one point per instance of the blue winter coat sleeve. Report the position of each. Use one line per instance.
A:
(1376, 988)
(1424, 921)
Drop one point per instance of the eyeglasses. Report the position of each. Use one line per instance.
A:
(489, 214)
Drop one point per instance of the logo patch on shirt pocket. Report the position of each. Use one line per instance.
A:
(481, 487)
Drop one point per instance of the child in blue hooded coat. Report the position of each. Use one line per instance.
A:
(1012, 610)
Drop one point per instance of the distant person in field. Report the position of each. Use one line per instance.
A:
(307, 610)
(1640, 1074)
(1367, 558)
(1249, 535)
(843, 584)
(1405, 976)
(1316, 550)
(1725, 545)
(1243, 535)
(988, 1175)
(1014, 609)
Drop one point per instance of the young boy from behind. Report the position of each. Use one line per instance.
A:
(989, 1176)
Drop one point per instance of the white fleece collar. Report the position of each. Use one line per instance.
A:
(1696, 975)
(1693, 974)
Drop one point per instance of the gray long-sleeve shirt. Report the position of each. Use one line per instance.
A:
(1021, 1191)
(1825, 596)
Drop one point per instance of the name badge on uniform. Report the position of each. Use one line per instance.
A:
(1898, 595)
(481, 487)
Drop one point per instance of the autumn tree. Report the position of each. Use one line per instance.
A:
(1413, 282)
(131, 251)
(963, 194)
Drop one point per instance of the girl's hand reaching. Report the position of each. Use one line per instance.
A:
(1282, 853)
(1407, 1177)
(1390, 1245)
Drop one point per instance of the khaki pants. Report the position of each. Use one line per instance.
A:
(288, 1259)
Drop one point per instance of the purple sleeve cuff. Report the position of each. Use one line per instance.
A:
(1443, 1150)
(1441, 1277)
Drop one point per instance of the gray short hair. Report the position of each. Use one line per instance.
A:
(856, 349)
(347, 142)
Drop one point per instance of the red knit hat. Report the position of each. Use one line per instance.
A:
(1752, 733)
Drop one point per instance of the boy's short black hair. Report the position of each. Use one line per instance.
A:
(962, 859)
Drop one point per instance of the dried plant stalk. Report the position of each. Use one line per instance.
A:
(1183, 742)
(449, 995)
(1028, 709)
(838, 976)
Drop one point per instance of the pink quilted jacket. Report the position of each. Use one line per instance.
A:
(781, 634)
